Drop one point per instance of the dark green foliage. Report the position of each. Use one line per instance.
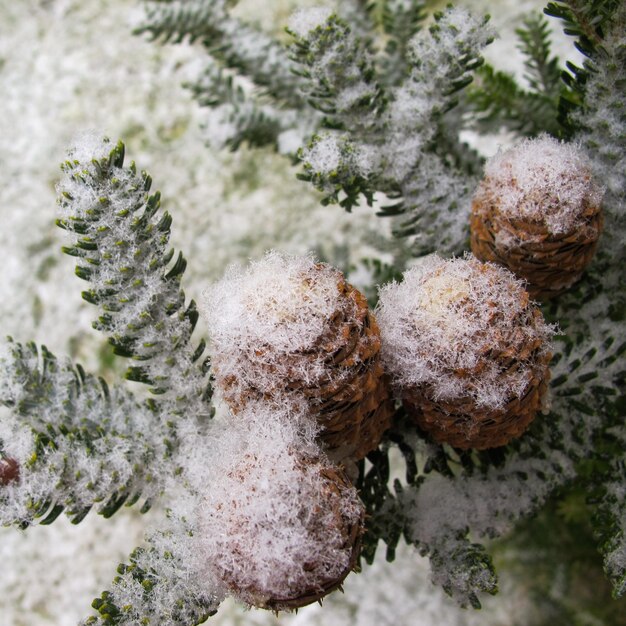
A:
(385, 519)
(343, 185)
(464, 570)
(400, 22)
(351, 63)
(227, 40)
(609, 505)
(255, 125)
(498, 100)
(586, 20)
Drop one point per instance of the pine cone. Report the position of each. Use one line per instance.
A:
(467, 350)
(284, 539)
(537, 212)
(297, 331)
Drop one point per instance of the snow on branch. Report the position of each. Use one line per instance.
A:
(120, 237)
(75, 442)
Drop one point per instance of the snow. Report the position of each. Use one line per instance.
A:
(305, 20)
(541, 181)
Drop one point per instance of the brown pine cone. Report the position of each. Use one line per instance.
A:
(537, 212)
(292, 330)
(467, 350)
(282, 526)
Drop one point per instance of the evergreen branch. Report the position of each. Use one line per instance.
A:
(498, 102)
(120, 238)
(587, 367)
(76, 443)
(385, 516)
(401, 21)
(463, 570)
(233, 43)
(454, 49)
(174, 21)
(337, 166)
(237, 112)
(586, 20)
(609, 519)
(434, 210)
(602, 123)
(542, 71)
(432, 193)
(154, 588)
(341, 79)
(589, 378)
(390, 143)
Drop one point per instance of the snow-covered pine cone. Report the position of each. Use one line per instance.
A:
(537, 212)
(290, 329)
(281, 526)
(467, 350)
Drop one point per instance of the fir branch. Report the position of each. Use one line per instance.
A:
(230, 41)
(340, 168)
(237, 117)
(589, 379)
(76, 443)
(174, 21)
(434, 211)
(602, 125)
(120, 238)
(463, 569)
(154, 588)
(542, 70)
(609, 515)
(384, 514)
(342, 81)
(401, 21)
(497, 100)
(586, 20)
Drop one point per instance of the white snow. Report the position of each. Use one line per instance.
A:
(304, 21)
(541, 181)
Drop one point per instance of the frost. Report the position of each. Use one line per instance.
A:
(304, 21)
(438, 325)
(542, 181)
(325, 155)
(89, 145)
